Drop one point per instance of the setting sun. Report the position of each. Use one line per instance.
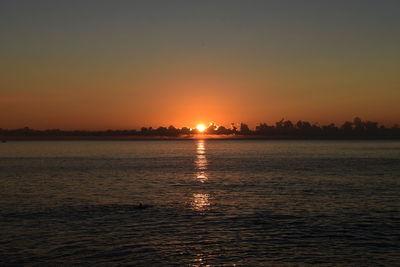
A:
(200, 127)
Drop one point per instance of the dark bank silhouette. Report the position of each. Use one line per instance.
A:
(283, 129)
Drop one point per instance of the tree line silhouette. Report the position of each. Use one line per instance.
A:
(281, 129)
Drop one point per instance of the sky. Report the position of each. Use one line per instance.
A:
(127, 64)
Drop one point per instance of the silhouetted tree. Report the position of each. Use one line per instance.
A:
(279, 124)
(371, 128)
(358, 125)
(347, 127)
(185, 130)
(264, 129)
(222, 130)
(330, 130)
(234, 128)
(244, 129)
(172, 131)
(211, 129)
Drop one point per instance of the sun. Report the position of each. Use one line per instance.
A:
(200, 127)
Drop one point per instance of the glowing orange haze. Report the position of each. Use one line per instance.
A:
(194, 96)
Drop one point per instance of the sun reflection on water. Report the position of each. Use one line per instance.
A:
(201, 177)
(201, 161)
(201, 201)
(199, 261)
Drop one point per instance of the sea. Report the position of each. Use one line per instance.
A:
(200, 203)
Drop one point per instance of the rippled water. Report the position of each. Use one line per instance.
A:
(206, 202)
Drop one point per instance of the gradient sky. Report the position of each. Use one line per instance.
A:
(126, 64)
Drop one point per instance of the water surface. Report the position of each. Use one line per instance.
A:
(210, 202)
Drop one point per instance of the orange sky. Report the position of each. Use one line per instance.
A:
(135, 64)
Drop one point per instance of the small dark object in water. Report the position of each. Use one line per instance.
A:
(141, 206)
(3, 141)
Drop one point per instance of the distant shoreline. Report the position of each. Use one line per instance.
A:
(282, 130)
(188, 137)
